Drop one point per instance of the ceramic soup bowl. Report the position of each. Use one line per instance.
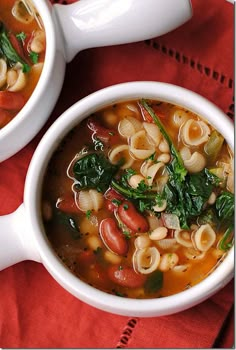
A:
(78, 26)
(22, 232)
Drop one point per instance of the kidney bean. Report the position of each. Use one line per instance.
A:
(112, 237)
(130, 216)
(126, 276)
(112, 199)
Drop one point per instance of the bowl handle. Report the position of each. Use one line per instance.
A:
(16, 242)
(93, 23)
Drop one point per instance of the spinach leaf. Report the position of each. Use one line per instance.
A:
(69, 223)
(177, 164)
(226, 241)
(94, 171)
(154, 282)
(9, 52)
(225, 207)
(208, 216)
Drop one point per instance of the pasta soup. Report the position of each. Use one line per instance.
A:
(22, 53)
(138, 199)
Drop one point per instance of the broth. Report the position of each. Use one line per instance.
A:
(134, 199)
(22, 53)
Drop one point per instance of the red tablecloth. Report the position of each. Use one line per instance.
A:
(35, 312)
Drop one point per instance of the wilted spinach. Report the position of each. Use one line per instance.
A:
(154, 282)
(225, 207)
(187, 199)
(225, 212)
(94, 171)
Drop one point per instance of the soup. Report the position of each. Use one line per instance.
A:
(22, 53)
(138, 199)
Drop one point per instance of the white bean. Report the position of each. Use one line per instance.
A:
(158, 233)
(168, 261)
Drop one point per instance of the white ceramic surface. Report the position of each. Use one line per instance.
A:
(22, 233)
(72, 28)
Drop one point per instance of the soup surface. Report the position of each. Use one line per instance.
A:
(138, 199)
(22, 53)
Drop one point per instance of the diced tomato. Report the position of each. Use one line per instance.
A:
(85, 259)
(98, 276)
(12, 101)
(66, 203)
(5, 117)
(126, 276)
(147, 117)
(108, 136)
(20, 48)
(16, 44)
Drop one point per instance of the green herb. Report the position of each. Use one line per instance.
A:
(127, 234)
(21, 36)
(9, 52)
(128, 173)
(125, 206)
(154, 282)
(116, 202)
(143, 196)
(34, 57)
(143, 187)
(152, 156)
(94, 171)
(130, 192)
(143, 205)
(88, 214)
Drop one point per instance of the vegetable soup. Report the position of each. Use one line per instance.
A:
(22, 53)
(138, 199)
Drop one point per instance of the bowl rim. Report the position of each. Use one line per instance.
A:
(32, 195)
(44, 9)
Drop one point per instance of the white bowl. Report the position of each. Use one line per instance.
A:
(72, 28)
(24, 236)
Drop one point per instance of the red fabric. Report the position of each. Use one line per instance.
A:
(35, 312)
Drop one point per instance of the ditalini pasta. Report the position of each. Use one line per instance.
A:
(140, 204)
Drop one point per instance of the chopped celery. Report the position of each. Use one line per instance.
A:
(213, 146)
